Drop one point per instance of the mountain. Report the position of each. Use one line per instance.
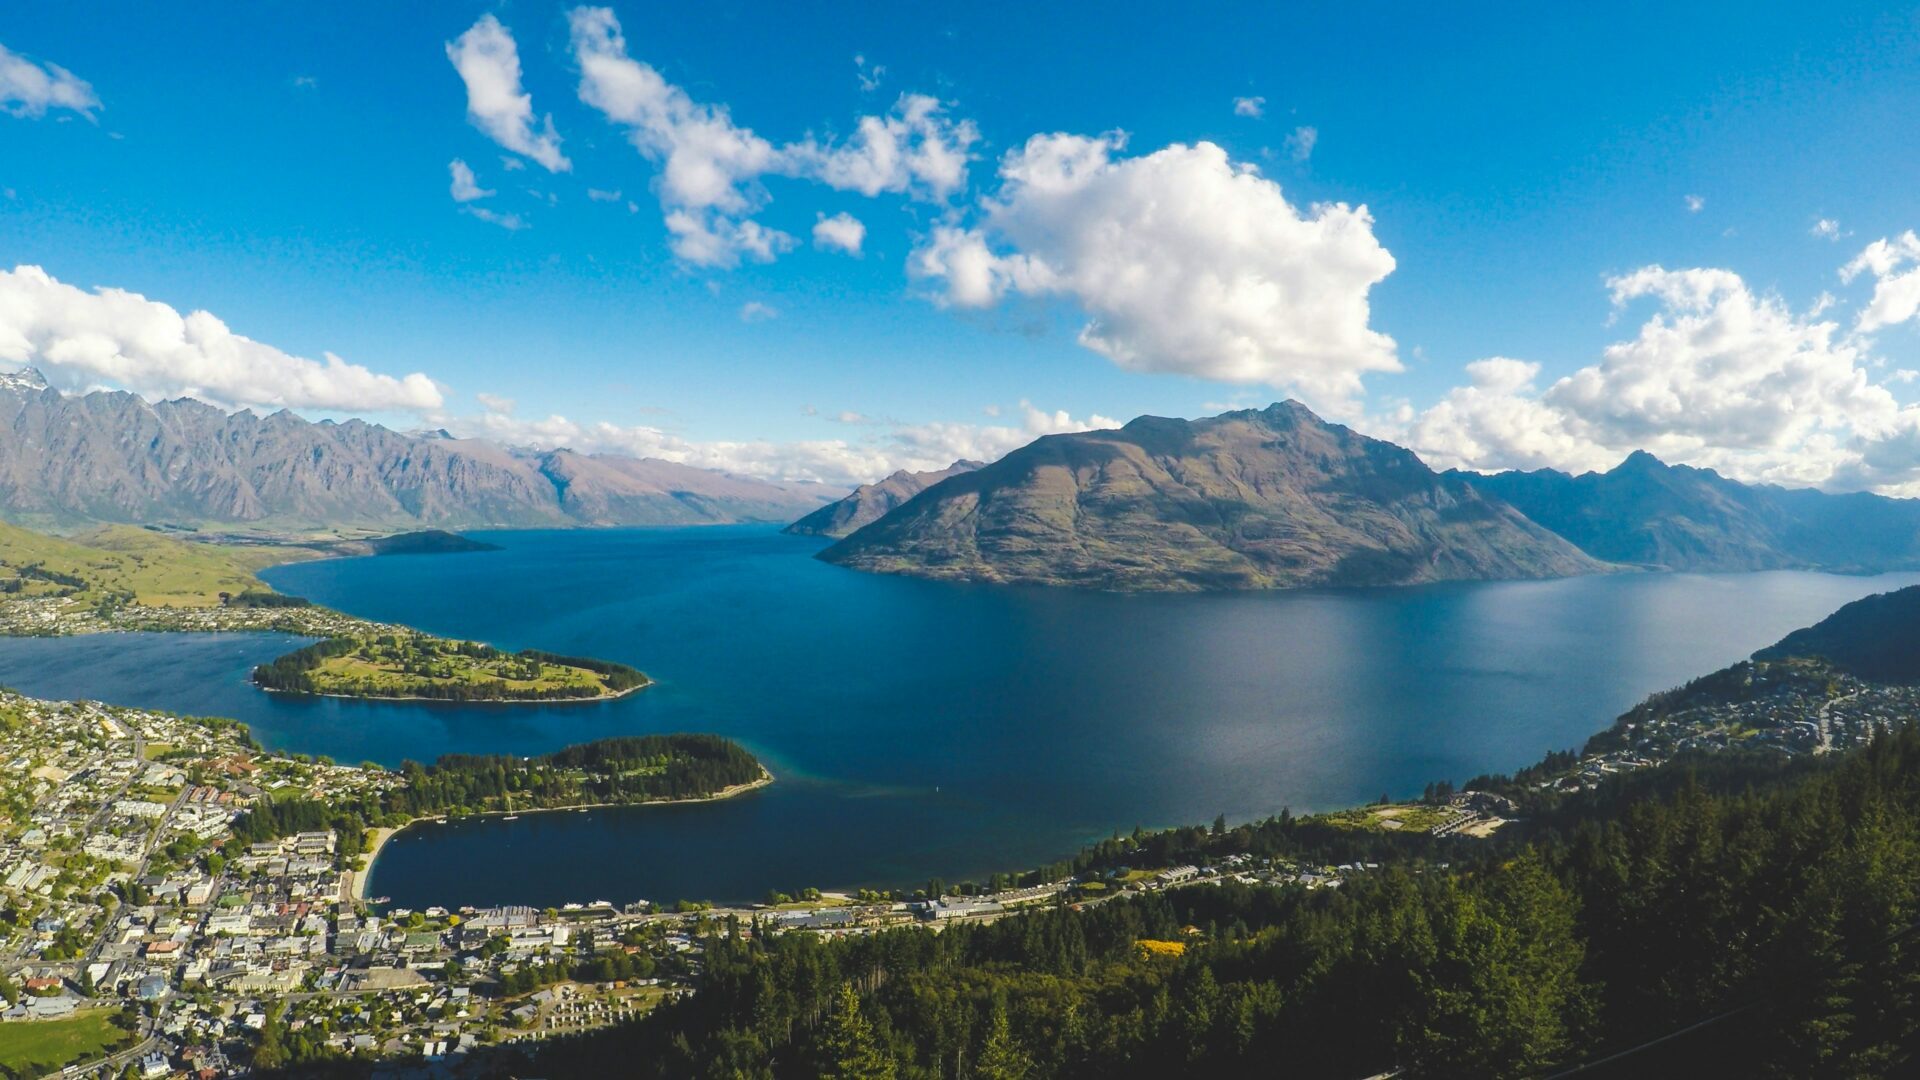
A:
(1244, 500)
(1876, 638)
(67, 460)
(870, 502)
(1648, 513)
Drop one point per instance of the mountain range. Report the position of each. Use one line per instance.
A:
(1644, 512)
(71, 459)
(870, 502)
(1249, 499)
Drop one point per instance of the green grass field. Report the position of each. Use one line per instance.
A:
(37, 1047)
(160, 571)
(405, 669)
(1399, 817)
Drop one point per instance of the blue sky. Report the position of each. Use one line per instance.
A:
(286, 168)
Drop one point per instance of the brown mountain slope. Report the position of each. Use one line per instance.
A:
(70, 459)
(1245, 500)
(870, 502)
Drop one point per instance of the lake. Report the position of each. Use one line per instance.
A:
(925, 728)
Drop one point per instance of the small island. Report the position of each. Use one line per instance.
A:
(402, 665)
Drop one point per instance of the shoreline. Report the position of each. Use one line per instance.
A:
(615, 696)
(383, 835)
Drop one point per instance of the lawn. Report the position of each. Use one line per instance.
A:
(1400, 817)
(36, 1047)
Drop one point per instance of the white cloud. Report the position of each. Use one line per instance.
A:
(1719, 376)
(915, 149)
(598, 195)
(841, 461)
(868, 74)
(28, 89)
(1695, 204)
(1250, 106)
(465, 188)
(1826, 229)
(711, 168)
(1183, 261)
(123, 339)
(489, 63)
(1896, 291)
(1300, 144)
(509, 222)
(755, 311)
(494, 403)
(841, 232)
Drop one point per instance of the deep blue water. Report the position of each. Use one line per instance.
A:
(923, 728)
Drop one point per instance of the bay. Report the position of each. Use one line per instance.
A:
(926, 728)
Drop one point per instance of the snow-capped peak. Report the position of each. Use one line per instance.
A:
(25, 381)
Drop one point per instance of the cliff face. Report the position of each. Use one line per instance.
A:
(114, 457)
(1648, 513)
(870, 502)
(1245, 500)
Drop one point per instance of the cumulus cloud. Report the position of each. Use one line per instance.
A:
(597, 195)
(28, 89)
(915, 149)
(711, 168)
(1252, 107)
(1300, 144)
(841, 232)
(1826, 229)
(489, 63)
(465, 188)
(868, 74)
(1695, 204)
(755, 311)
(1183, 261)
(1896, 289)
(1719, 376)
(118, 338)
(883, 449)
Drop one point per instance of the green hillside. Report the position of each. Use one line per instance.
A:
(156, 570)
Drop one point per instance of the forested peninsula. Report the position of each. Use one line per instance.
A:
(607, 772)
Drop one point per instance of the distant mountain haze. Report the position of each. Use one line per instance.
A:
(870, 502)
(1647, 513)
(1245, 500)
(70, 459)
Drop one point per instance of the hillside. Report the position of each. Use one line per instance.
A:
(1245, 500)
(1876, 638)
(70, 460)
(158, 571)
(1648, 513)
(870, 502)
